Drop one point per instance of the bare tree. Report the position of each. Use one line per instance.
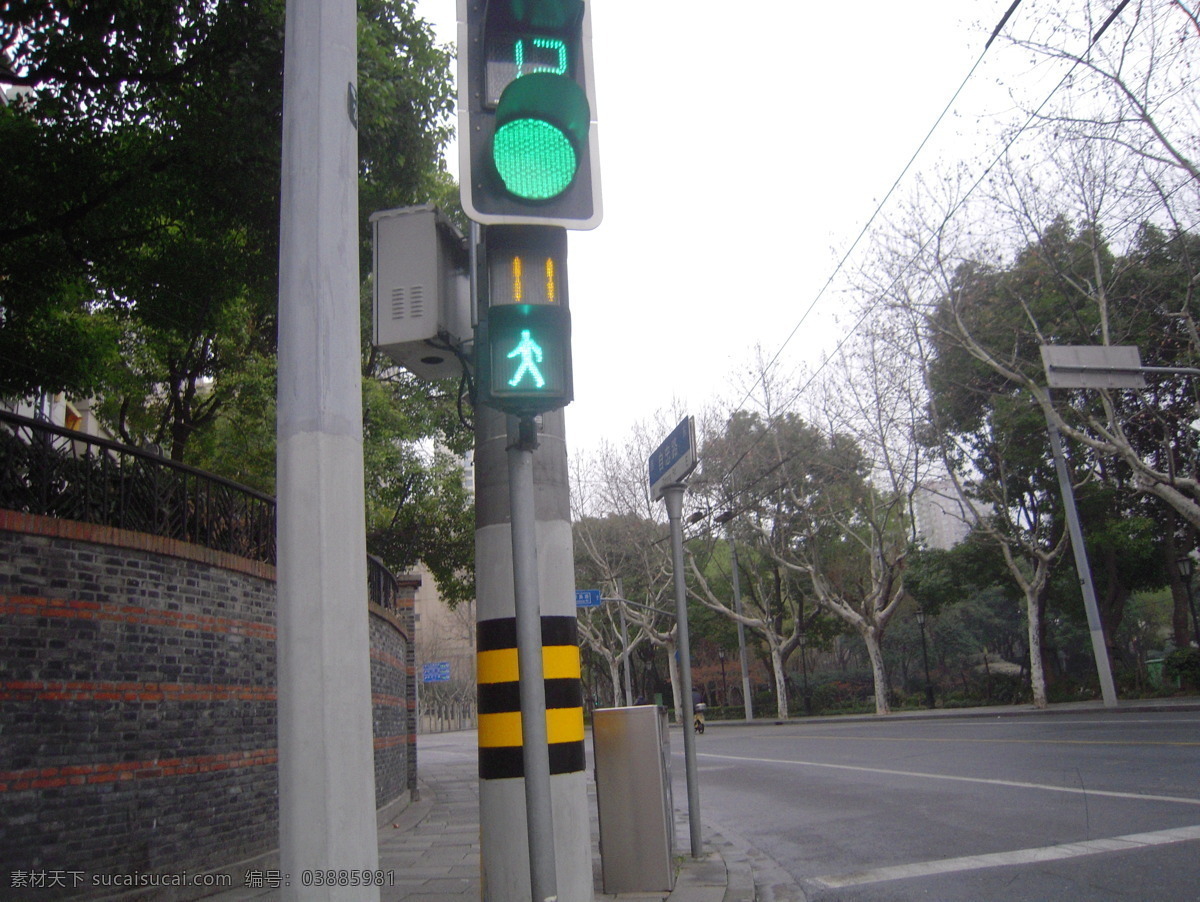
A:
(621, 534)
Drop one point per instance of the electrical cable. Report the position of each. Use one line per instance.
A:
(945, 220)
(879, 207)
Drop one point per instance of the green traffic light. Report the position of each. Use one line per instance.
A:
(536, 161)
(542, 121)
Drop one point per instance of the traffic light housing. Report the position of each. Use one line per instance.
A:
(527, 131)
(523, 346)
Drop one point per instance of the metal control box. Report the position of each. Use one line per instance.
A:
(633, 795)
(422, 293)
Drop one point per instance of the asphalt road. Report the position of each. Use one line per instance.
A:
(1097, 805)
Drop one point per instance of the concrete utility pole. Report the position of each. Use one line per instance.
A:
(326, 757)
(504, 828)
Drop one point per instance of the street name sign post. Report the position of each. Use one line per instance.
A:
(587, 598)
(671, 461)
(1083, 366)
(674, 459)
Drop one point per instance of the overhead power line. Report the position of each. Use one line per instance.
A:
(879, 207)
(946, 219)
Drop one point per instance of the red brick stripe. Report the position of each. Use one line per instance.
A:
(36, 606)
(40, 525)
(390, 742)
(392, 701)
(81, 774)
(59, 690)
(388, 659)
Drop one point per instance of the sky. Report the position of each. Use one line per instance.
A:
(742, 150)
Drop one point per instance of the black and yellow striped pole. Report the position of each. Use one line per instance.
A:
(500, 734)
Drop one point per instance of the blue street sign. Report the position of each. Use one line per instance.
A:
(587, 598)
(436, 672)
(674, 458)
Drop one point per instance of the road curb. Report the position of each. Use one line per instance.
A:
(1133, 706)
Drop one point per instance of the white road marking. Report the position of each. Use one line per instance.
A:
(1126, 843)
(1015, 784)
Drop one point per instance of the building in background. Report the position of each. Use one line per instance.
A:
(943, 518)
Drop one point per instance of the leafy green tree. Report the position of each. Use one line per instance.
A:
(986, 377)
(139, 259)
(147, 189)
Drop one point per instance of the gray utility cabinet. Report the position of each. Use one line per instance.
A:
(422, 299)
(633, 795)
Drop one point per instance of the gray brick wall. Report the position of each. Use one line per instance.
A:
(137, 706)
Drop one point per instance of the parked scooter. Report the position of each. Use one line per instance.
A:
(698, 716)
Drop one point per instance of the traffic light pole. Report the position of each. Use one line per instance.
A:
(535, 749)
(529, 171)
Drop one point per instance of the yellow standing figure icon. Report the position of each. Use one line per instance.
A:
(530, 353)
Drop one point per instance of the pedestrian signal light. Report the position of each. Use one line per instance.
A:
(524, 342)
(526, 113)
(527, 362)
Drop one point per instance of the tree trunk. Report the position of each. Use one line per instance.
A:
(614, 675)
(878, 670)
(1180, 610)
(781, 693)
(1037, 671)
(673, 665)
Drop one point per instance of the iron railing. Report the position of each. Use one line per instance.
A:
(46, 469)
(383, 588)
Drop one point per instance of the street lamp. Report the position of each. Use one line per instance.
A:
(1186, 566)
(747, 701)
(925, 657)
(724, 685)
(804, 673)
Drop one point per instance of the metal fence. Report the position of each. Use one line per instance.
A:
(46, 469)
(383, 588)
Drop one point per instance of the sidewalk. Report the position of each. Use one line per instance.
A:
(433, 848)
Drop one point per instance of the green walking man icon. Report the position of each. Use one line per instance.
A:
(530, 353)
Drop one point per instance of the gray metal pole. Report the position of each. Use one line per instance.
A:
(673, 496)
(1099, 648)
(326, 755)
(741, 629)
(535, 744)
